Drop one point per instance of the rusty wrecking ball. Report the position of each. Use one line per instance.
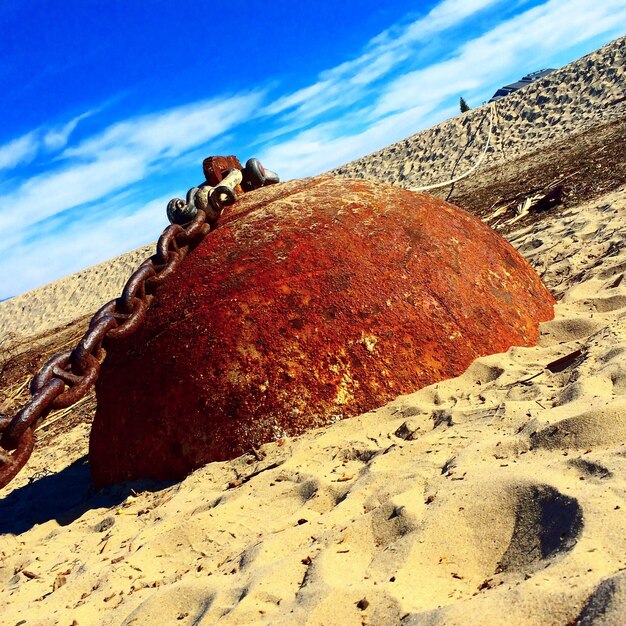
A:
(314, 300)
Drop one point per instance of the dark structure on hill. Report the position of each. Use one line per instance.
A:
(523, 82)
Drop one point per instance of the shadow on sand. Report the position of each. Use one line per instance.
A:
(64, 497)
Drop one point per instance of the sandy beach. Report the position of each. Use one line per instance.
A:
(496, 497)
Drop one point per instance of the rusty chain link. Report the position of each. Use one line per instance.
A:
(67, 377)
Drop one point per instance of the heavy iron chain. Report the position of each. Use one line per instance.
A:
(68, 376)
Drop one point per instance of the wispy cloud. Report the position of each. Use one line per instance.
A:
(346, 83)
(57, 138)
(97, 183)
(19, 151)
(414, 100)
(168, 134)
(24, 149)
(46, 195)
(91, 240)
(441, 17)
(328, 145)
(122, 154)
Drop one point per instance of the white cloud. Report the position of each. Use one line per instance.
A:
(443, 16)
(172, 132)
(522, 41)
(349, 110)
(82, 244)
(414, 101)
(296, 98)
(348, 82)
(46, 195)
(23, 150)
(19, 151)
(328, 145)
(57, 138)
(122, 154)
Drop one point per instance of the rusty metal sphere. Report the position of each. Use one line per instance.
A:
(314, 300)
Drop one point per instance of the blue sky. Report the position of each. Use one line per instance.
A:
(109, 106)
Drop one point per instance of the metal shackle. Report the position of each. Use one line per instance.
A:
(255, 175)
(180, 212)
(226, 188)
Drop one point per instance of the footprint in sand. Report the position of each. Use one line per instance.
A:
(547, 524)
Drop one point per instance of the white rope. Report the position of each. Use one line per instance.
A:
(469, 171)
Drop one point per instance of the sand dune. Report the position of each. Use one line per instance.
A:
(67, 299)
(572, 99)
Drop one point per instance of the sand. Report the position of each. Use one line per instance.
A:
(496, 497)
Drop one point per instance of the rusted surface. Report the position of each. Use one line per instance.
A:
(313, 301)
